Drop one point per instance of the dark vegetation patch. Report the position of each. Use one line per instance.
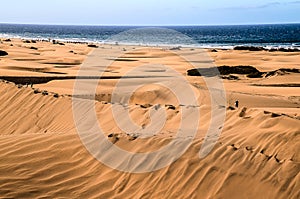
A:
(223, 70)
(254, 48)
(176, 48)
(92, 46)
(250, 71)
(26, 41)
(57, 42)
(3, 53)
(33, 48)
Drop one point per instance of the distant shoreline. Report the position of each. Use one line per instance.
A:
(172, 47)
(205, 37)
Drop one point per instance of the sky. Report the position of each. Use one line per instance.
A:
(150, 12)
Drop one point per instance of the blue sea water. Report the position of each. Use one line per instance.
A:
(280, 35)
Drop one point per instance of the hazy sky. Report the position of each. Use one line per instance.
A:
(150, 12)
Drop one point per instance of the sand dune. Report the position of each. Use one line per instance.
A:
(43, 155)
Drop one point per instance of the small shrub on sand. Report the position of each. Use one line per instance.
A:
(3, 53)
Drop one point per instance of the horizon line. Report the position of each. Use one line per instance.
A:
(143, 25)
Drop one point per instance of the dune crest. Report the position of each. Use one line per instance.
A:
(54, 163)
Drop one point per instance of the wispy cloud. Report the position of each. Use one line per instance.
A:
(295, 2)
(263, 6)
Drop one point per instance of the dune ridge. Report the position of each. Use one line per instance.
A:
(54, 163)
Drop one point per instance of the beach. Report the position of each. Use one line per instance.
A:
(43, 154)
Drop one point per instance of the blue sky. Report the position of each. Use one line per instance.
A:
(150, 12)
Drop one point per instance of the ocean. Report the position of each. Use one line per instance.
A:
(269, 36)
